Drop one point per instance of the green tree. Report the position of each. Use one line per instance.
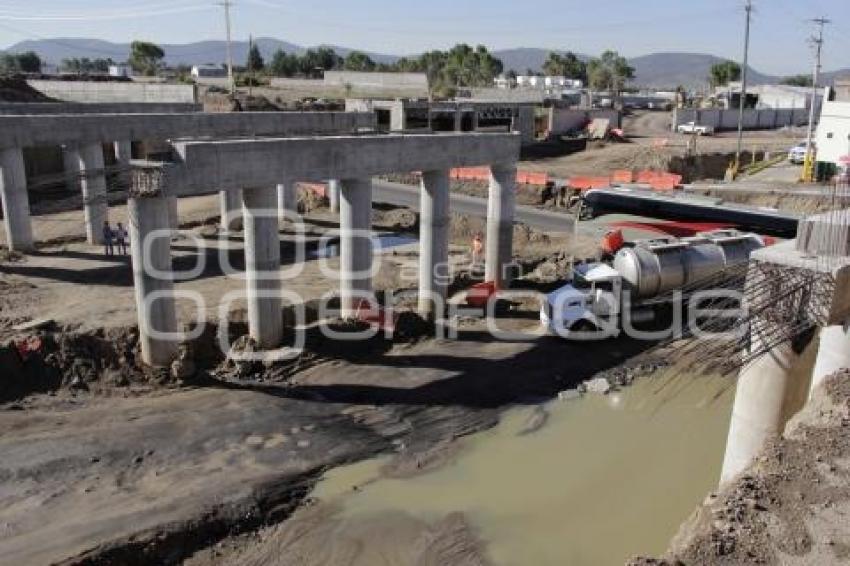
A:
(566, 65)
(723, 73)
(283, 64)
(26, 62)
(358, 61)
(145, 57)
(609, 71)
(797, 80)
(255, 60)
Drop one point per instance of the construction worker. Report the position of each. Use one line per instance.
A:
(477, 249)
(121, 239)
(108, 239)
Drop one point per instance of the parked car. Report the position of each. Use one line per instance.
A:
(694, 128)
(797, 154)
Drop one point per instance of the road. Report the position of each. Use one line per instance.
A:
(408, 195)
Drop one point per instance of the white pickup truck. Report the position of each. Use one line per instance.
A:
(694, 128)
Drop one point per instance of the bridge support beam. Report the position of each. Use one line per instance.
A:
(833, 352)
(86, 162)
(287, 200)
(262, 266)
(150, 252)
(333, 195)
(500, 223)
(16, 204)
(231, 210)
(355, 221)
(433, 242)
(770, 391)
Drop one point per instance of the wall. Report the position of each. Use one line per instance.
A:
(22, 108)
(833, 136)
(83, 91)
(753, 119)
(562, 120)
(415, 82)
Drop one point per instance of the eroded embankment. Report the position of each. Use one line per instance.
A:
(791, 506)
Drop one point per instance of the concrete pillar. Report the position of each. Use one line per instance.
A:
(770, 391)
(458, 119)
(287, 199)
(355, 258)
(173, 213)
(123, 155)
(333, 195)
(231, 209)
(433, 240)
(833, 353)
(123, 152)
(87, 162)
(16, 204)
(262, 266)
(156, 314)
(500, 223)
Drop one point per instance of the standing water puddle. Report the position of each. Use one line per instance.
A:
(606, 477)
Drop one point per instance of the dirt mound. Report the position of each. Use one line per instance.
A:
(16, 89)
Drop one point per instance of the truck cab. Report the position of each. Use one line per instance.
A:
(590, 304)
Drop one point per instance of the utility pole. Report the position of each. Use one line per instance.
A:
(743, 99)
(809, 163)
(227, 4)
(250, 66)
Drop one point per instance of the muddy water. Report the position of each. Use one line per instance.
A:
(604, 478)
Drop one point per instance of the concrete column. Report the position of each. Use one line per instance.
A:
(173, 213)
(770, 391)
(231, 209)
(87, 160)
(333, 195)
(500, 222)
(458, 119)
(355, 258)
(433, 240)
(833, 353)
(287, 199)
(16, 204)
(123, 152)
(262, 266)
(123, 155)
(156, 314)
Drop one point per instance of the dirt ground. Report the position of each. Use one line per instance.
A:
(109, 463)
(791, 506)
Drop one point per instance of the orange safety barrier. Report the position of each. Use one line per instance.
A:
(483, 174)
(586, 183)
(623, 176)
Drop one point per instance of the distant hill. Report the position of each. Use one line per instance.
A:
(213, 51)
(668, 70)
(664, 70)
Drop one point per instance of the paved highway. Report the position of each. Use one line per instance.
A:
(408, 195)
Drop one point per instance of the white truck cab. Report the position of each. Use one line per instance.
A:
(589, 305)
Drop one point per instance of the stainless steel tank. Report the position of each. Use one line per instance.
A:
(654, 267)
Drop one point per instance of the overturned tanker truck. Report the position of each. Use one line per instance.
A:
(638, 282)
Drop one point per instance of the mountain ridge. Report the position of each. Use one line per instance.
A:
(659, 70)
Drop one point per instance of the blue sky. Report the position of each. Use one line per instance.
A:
(632, 27)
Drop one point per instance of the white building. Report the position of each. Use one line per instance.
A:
(120, 70)
(547, 82)
(208, 70)
(833, 135)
